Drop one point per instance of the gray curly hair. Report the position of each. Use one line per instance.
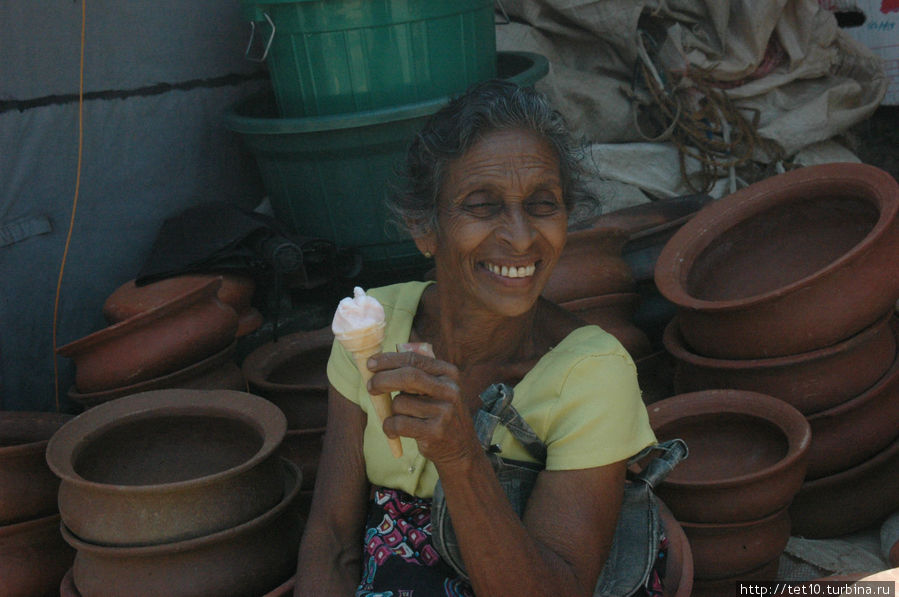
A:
(485, 107)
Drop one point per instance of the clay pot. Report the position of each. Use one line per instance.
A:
(747, 454)
(285, 589)
(613, 313)
(291, 372)
(217, 372)
(248, 559)
(33, 557)
(167, 465)
(156, 342)
(726, 587)
(67, 588)
(303, 447)
(724, 550)
(852, 432)
(590, 265)
(791, 264)
(654, 374)
(848, 501)
(812, 381)
(27, 485)
(236, 291)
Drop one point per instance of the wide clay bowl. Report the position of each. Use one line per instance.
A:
(252, 558)
(292, 372)
(788, 265)
(812, 381)
(590, 264)
(729, 549)
(679, 566)
(27, 485)
(167, 465)
(747, 454)
(216, 372)
(856, 430)
(33, 557)
(156, 342)
(848, 501)
(303, 447)
(727, 587)
(236, 290)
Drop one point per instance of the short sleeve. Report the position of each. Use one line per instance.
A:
(342, 373)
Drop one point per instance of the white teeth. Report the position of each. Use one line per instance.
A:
(506, 271)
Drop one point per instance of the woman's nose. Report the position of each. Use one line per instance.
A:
(516, 228)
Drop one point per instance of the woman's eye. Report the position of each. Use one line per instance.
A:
(543, 205)
(482, 206)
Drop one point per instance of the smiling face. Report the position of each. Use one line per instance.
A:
(501, 223)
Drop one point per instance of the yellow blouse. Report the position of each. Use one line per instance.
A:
(581, 398)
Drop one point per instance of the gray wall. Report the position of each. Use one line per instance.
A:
(158, 77)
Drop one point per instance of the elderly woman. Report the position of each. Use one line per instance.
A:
(492, 182)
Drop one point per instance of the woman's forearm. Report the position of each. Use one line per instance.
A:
(558, 550)
(326, 567)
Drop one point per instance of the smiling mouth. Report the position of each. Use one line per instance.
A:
(511, 271)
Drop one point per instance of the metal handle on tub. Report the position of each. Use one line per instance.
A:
(268, 44)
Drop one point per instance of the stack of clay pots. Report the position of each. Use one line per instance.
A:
(178, 332)
(788, 288)
(33, 555)
(177, 492)
(593, 280)
(731, 495)
(291, 372)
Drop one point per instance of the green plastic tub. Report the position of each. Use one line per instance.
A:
(328, 176)
(338, 56)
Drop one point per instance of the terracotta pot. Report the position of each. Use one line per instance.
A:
(291, 372)
(727, 587)
(654, 373)
(217, 372)
(747, 454)
(794, 263)
(27, 485)
(679, 567)
(850, 500)
(33, 557)
(249, 559)
(590, 265)
(236, 291)
(613, 313)
(856, 430)
(812, 381)
(303, 447)
(725, 550)
(167, 465)
(156, 342)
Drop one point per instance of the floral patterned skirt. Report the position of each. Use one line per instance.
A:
(400, 559)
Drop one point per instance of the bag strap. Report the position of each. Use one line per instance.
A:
(497, 408)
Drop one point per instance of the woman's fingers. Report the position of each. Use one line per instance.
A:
(413, 374)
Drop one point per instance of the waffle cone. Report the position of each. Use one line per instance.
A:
(362, 344)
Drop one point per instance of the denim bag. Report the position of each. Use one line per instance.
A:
(638, 532)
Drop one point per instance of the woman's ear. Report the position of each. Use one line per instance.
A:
(426, 243)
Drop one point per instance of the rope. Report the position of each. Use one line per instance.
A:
(65, 253)
(700, 119)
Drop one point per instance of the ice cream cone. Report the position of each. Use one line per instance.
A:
(363, 343)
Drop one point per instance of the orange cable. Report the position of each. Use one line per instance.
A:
(65, 253)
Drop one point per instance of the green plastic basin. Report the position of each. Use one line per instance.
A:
(337, 56)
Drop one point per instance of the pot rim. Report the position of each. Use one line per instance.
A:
(719, 217)
(36, 446)
(884, 383)
(838, 479)
(292, 482)
(788, 420)
(141, 320)
(608, 299)
(92, 398)
(262, 361)
(674, 343)
(736, 526)
(260, 414)
(128, 293)
(8, 531)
